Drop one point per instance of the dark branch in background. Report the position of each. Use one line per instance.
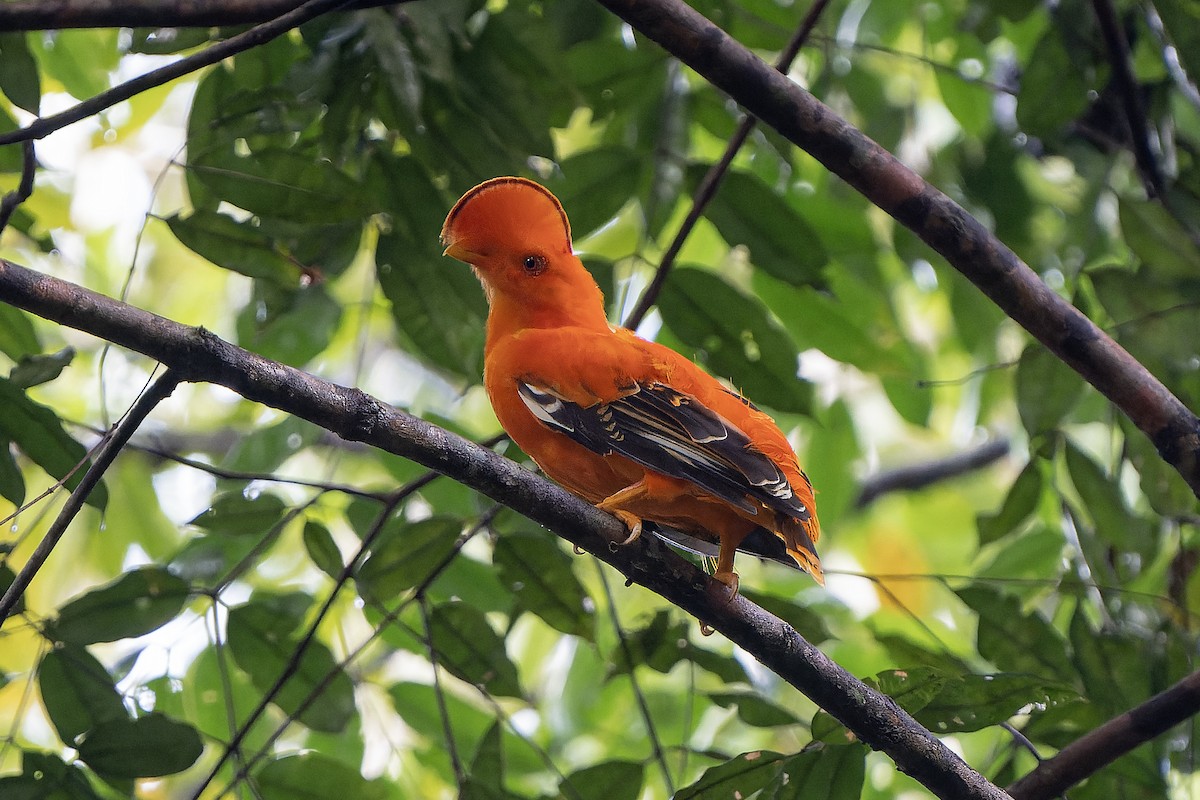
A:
(38, 15)
(707, 188)
(261, 34)
(1131, 99)
(1170, 57)
(944, 225)
(1113, 739)
(159, 391)
(918, 476)
(24, 189)
(198, 355)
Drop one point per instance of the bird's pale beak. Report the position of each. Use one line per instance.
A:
(457, 251)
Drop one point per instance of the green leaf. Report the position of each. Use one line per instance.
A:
(82, 60)
(1019, 504)
(322, 549)
(138, 602)
(610, 780)
(594, 185)
(283, 184)
(754, 709)
(239, 246)
(1116, 525)
(12, 482)
(405, 556)
(18, 339)
(235, 514)
(34, 370)
(263, 650)
(46, 777)
(1047, 389)
(736, 337)
(313, 776)
(1054, 86)
(974, 702)
(146, 747)
(1013, 640)
(297, 324)
(739, 777)
(486, 773)
(39, 433)
(77, 692)
(807, 622)
(1157, 238)
(747, 212)
(19, 78)
(540, 575)
(1113, 677)
(467, 647)
(831, 773)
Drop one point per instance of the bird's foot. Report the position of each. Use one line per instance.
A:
(632, 522)
(730, 580)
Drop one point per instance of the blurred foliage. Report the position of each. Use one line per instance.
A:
(290, 199)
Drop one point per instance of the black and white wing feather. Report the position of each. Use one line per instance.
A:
(670, 432)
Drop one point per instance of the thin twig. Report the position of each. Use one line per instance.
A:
(37, 15)
(24, 189)
(460, 776)
(158, 391)
(258, 35)
(707, 187)
(911, 477)
(1131, 100)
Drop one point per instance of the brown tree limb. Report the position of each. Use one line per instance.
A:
(944, 225)
(198, 355)
(42, 15)
(1115, 738)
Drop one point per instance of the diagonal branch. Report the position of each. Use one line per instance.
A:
(40, 15)
(198, 355)
(1113, 739)
(943, 224)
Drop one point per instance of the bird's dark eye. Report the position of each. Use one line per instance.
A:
(534, 264)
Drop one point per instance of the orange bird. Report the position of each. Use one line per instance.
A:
(629, 425)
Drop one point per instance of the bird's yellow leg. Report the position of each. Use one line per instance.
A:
(614, 504)
(724, 572)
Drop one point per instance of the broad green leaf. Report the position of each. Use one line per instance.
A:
(1113, 677)
(1047, 389)
(283, 184)
(37, 369)
(322, 549)
(807, 622)
(12, 482)
(77, 692)
(747, 212)
(265, 448)
(292, 326)
(466, 645)
(312, 776)
(1013, 640)
(238, 246)
(18, 339)
(659, 644)
(487, 765)
(736, 337)
(609, 780)
(145, 747)
(973, 702)
(739, 777)
(540, 575)
(594, 185)
(165, 41)
(1105, 504)
(405, 556)
(1054, 86)
(138, 602)
(207, 559)
(39, 433)
(754, 709)
(82, 61)
(45, 776)
(1018, 505)
(262, 650)
(1162, 244)
(832, 773)
(235, 514)
(19, 78)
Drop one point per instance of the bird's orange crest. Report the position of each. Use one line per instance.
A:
(502, 209)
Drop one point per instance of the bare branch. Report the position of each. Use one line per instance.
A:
(944, 225)
(1115, 738)
(918, 476)
(254, 37)
(199, 355)
(24, 189)
(39, 15)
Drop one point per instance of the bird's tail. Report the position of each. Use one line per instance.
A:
(799, 536)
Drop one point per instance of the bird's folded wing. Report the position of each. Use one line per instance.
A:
(674, 434)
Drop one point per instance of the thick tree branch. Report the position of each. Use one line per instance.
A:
(197, 355)
(1115, 738)
(939, 221)
(39, 15)
(917, 476)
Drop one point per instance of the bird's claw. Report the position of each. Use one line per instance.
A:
(730, 581)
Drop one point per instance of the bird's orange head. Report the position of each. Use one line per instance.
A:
(516, 236)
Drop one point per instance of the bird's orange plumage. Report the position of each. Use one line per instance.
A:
(626, 424)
